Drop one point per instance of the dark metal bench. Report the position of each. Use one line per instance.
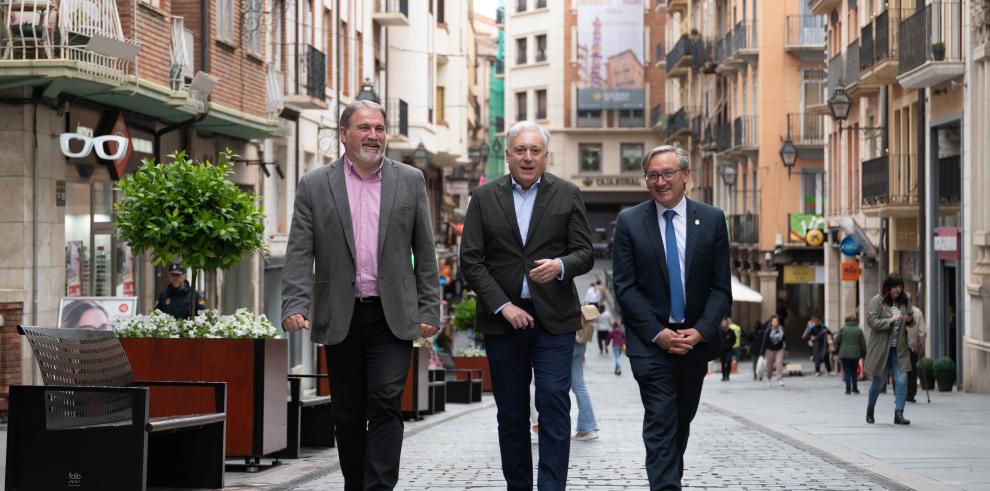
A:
(464, 385)
(88, 427)
(310, 421)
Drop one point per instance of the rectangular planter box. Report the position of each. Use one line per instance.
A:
(476, 362)
(257, 389)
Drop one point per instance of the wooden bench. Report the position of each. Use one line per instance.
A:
(310, 421)
(88, 426)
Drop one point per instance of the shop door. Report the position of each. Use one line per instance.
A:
(97, 263)
(946, 321)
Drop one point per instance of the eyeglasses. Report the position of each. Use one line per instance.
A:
(108, 147)
(668, 175)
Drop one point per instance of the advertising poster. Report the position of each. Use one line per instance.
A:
(97, 313)
(73, 269)
(610, 54)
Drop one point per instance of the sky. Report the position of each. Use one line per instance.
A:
(486, 7)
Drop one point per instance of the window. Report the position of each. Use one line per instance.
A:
(153, 3)
(631, 118)
(346, 61)
(328, 43)
(225, 20)
(440, 105)
(541, 4)
(521, 5)
(440, 17)
(541, 48)
(277, 36)
(403, 118)
(255, 29)
(632, 157)
(589, 119)
(521, 106)
(811, 192)
(359, 40)
(521, 51)
(541, 104)
(307, 26)
(591, 157)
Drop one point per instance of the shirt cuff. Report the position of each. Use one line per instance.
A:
(654, 340)
(504, 305)
(560, 277)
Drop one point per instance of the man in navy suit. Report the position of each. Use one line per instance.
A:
(670, 261)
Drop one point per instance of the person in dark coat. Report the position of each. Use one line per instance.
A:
(756, 344)
(174, 300)
(728, 341)
(818, 333)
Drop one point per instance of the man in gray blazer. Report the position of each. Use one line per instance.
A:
(365, 221)
(526, 238)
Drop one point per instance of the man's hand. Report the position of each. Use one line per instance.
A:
(295, 322)
(678, 342)
(517, 317)
(546, 270)
(426, 330)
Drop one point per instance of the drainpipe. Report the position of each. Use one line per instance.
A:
(205, 48)
(34, 213)
(340, 41)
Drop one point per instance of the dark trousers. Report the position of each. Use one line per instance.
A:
(849, 366)
(367, 372)
(726, 364)
(602, 342)
(514, 358)
(912, 377)
(670, 387)
(822, 356)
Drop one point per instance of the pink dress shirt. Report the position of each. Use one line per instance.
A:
(364, 196)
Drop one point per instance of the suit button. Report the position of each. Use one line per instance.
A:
(352, 282)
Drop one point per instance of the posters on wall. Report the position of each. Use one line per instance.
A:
(97, 313)
(610, 54)
(73, 269)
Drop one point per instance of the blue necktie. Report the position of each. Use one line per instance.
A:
(673, 269)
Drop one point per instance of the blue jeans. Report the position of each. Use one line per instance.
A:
(849, 366)
(900, 382)
(617, 352)
(586, 414)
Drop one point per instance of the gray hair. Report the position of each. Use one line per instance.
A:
(682, 156)
(526, 126)
(350, 109)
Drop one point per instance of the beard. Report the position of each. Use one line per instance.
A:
(367, 156)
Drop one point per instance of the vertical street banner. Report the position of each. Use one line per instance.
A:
(610, 55)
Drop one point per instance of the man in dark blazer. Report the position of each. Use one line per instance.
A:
(526, 237)
(361, 219)
(670, 261)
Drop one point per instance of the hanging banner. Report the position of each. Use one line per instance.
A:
(610, 54)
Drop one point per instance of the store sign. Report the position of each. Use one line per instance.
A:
(850, 246)
(117, 165)
(612, 181)
(804, 275)
(850, 271)
(802, 227)
(947, 243)
(112, 149)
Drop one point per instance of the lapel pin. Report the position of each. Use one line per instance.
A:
(697, 222)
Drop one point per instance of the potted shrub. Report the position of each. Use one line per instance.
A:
(945, 373)
(926, 373)
(938, 51)
(473, 357)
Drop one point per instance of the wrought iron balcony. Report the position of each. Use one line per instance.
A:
(679, 58)
(723, 137)
(890, 182)
(656, 116)
(745, 41)
(836, 70)
(678, 122)
(806, 129)
(931, 45)
(316, 73)
(744, 133)
(696, 127)
(880, 45)
(745, 229)
(391, 12)
(805, 37)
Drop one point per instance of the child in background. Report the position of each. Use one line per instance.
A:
(617, 338)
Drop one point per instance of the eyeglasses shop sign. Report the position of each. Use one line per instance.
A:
(946, 243)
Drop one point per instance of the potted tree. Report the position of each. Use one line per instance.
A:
(472, 357)
(945, 373)
(190, 211)
(926, 373)
(938, 51)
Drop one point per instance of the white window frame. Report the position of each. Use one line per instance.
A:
(225, 21)
(255, 27)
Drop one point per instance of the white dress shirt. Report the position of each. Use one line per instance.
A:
(680, 230)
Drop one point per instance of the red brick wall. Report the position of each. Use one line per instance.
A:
(154, 33)
(10, 352)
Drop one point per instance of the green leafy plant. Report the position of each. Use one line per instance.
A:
(926, 365)
(944, 365)
(938, 45)
(191, 212)
(465, 313)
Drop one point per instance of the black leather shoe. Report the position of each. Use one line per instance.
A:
(869, 415)
(847, 392)
(899, 418)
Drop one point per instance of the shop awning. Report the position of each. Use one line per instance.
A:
(743, 293)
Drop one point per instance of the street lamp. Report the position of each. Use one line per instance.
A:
(729, 175)
(839, 105)
(368, 92)
(788, 153)
(420, 155)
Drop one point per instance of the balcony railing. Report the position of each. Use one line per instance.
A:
(183, 55)
(655, 115)
(631, 118)
(745, 229)
(744, 132)
(723, 137)
(866, 47)
(806, 31)
(938, 22)
(61, 30)
(316, 73)
(729, 45)
(276, 94)
(696, 127)
(709, 136)
(851, 74)
(876, 181)
(683, 50)
(884, 36)
(806, 129)
(677, 122)
(890, 180)
(744, 36)
(836, 67)
(719, 51)
(949, 180)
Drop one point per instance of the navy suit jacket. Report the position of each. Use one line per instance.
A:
(640, 276)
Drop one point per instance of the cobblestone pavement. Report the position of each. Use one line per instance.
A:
(725, 452)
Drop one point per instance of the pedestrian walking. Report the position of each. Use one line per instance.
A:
(587, 425)
(851, 346)
(670, 258)
(603, 324)
(593, 296)
(528, 309)
(736, 348)
(817, 335)
(358, 219)
(756, 347)
(617, 337)
(728, 341)
(917, 334)
(773, 347)
(887, 316)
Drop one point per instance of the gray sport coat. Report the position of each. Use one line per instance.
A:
(321, 231)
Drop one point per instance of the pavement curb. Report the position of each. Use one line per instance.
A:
(884, 473)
